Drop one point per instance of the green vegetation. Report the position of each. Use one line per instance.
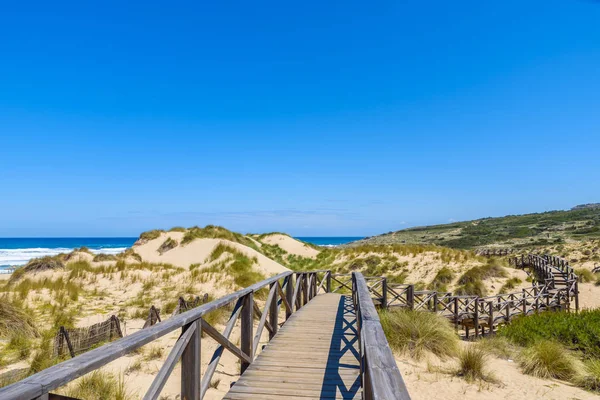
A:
(216, 232)
(509, 285)
(98, 385)
(585, 275)
(37, 265)
(471, 282)
(104, 257)
(472, 365)
(418, 332)
(177, 229)
(579, 332)
(441, 280)
(499, 346)
(547, 359)
(167, 245)
(154, 353)
(516, 231)
(590, 378)
(15, 320)
(151, 235)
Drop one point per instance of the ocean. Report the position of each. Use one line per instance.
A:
(18, 251)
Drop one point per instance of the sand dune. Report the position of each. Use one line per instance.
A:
(290, 245)
(197, 251)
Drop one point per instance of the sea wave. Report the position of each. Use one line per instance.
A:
(15, 257)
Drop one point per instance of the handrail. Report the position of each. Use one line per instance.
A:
(381, 378)
(60, 374)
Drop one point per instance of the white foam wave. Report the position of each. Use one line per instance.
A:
(22, 256)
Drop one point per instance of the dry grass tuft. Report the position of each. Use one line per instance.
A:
(472, 365)
(15, 321)
(547, 359)
(416, 333)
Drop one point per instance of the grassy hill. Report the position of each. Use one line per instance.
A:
(515, 231)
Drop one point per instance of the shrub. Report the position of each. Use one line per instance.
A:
(547, 359)
(177, 229)
(416, 332)
(577, 331)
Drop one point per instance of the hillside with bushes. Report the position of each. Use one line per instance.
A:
(521, 232)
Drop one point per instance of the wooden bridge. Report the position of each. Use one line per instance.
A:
(325, 338)
(323, 345)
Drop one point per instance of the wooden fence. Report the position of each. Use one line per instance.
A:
(79, 340)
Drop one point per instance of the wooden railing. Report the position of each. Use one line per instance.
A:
(291, 291)
(283, 290)
(380, 376)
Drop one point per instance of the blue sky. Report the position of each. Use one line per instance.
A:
(315, 118)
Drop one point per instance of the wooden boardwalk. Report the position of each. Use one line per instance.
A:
(314, 356)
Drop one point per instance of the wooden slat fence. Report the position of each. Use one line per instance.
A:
(75, 341)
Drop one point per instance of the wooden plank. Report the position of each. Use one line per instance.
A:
(314, 355)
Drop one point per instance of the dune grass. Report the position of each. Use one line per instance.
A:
(443, 277)
(37, 265)
(590, 378)
(151, 235)
(548, 359)
(15, 320)
(99, 385)
(416, 333)
(497, 345)
(167, 245)
(509, 285)
(472, 365)
(585, 275)
(104, 257)
(216, 232)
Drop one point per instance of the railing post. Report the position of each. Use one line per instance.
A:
(384, 304)
(456, 313)
(576, 296)
(289, 294)
(411, 297)
(247, 327)
(490, 317)
(328, 282)
(305, 289)
(190, 364)
(476, 318)
(274, 312)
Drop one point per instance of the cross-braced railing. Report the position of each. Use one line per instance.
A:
(380, 376)
(283, 291)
